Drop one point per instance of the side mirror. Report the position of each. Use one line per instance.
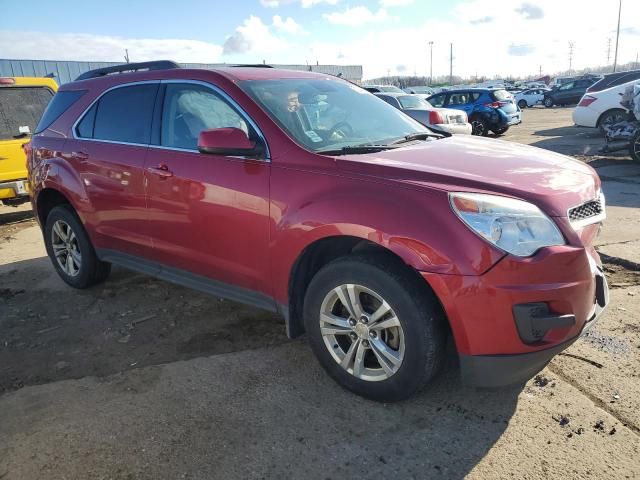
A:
(228, 141)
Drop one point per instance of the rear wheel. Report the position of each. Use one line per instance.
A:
(634, 147)
(70, 249)
(611, 117)
(548, 102)
(479, 127)
(373, 327)
(522, 104)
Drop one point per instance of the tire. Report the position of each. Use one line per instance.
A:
(548, 102)
(522, 104)
(415, 337)
(479, 127)
(501, 131)
(76, 261)
(612, 116)
(634, 147)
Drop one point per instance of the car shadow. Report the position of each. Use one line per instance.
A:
(8, 216)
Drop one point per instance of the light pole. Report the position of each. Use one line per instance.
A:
(431, 63)
(615, 56)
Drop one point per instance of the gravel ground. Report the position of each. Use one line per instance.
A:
(137, 378)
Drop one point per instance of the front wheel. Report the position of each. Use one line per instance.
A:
(634, 146)
(70, 249)
(548, 102)
(373, 327)
(522, 104)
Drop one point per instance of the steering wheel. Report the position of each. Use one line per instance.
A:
(342, 129)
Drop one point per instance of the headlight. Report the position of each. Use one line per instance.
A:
(514, 226)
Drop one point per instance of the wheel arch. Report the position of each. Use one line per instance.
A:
(601, 116)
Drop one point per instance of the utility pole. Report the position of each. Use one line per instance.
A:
(615, 57)
(431, 63)
(126, 55)
(608, 50)
(451, 65)
(571, 45)
(540, 75)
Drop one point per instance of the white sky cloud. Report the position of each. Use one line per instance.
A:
(256, 37)
(288, 25)
(356, 16)
(395, 3)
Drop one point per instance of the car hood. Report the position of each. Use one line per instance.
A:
(552, 181)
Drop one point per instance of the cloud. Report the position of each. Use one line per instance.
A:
(530, 11)
(356, 16)
(304, 3)
(478, 21)
(401, 68)
(520, 50)
(630, 30)
(254, 36)
(104, 48)
(395, 3)
(287, 25)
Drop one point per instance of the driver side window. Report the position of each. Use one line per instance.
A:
(189, 109)
(566, 86)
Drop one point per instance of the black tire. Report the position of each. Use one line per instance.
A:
(611, 117)
(634, 147)
(479, 127)
(548, 102)
(501, 131)
(414, 305)
(522, 104)
(91, 270)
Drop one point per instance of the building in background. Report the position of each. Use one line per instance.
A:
(67, 71)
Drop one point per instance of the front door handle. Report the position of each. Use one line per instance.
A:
(161, 171)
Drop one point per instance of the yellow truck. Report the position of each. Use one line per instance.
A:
(22, 102)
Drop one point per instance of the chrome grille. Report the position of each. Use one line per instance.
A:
(585, 211)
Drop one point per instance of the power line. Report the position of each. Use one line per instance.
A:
(608, 50)
(571, 45)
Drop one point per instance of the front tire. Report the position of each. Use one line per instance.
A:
(548, 102)
(374, 328)
(479, 127)
(70, 249)
(522, 104)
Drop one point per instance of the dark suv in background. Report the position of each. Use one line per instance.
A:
(487, 109)
(569, 93)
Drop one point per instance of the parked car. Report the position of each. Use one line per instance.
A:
(441, 120)
(569, 93)
(559, 81)
(487, 109)
(531, 97)
(613, 80)
(382, 88)
(294, 192)
(420, 90)
(601, 108)
(22, 101)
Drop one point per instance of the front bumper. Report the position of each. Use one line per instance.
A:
(454, 128)
(492, 347)
(13, 189)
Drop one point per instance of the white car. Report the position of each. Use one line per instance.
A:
(447, 120)
(600, 108)
(531, 97)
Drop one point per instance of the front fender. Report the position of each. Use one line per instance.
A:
(415, 224)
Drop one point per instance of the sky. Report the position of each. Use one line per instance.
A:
(490, 38)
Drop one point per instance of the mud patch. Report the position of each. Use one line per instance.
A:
(621, 274)
(612, 345)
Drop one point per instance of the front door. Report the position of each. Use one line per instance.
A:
(208, 214)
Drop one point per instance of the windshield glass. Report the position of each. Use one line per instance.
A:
(327, 114)
(390, 89)
(413, 102)
(21, 107)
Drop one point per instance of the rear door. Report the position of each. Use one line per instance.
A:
(108, 150)
(565, 93)
(208, 214)
(20, 110)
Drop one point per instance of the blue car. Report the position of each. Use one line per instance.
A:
(488, 109)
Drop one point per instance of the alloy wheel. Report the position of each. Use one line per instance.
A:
(362, 332)
(477, 127)
(64, 243)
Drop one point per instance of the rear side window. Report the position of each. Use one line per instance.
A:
(501, 95)
(85, 127)
(624, 79)
(437, 100)
(122, 115)
(60, 104)
(21, 107)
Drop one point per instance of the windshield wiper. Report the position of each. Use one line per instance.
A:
(356, 149)
(420, 136)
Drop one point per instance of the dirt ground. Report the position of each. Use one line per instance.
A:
(139, 378)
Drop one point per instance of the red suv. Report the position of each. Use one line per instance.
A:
(305, 194)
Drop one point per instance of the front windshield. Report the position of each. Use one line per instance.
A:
(413, 102)
(328, 114)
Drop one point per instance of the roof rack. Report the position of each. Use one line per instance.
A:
(128, 68)
(253, 65)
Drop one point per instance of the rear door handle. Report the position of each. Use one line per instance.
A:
(161, 171)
